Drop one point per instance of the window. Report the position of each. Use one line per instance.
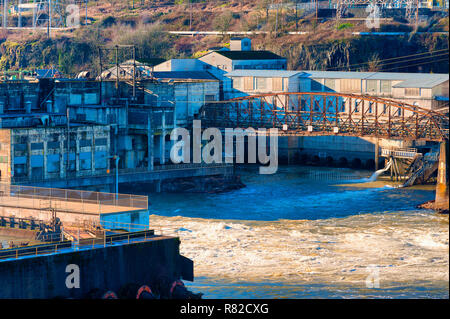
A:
(277, 84)
(53, 163)
(371, 86)
(20, 170)
(84, 143)
(412, 91)
(351, 85)
(101, 141)
(53, 145)
(261, 84)
(37, 146)
(237, 83)
(330, 84)
(248, 83)
(386, 86)
(210, 97)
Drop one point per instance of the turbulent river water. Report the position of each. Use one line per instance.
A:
(310, 233)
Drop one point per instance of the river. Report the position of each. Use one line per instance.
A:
(308, 232)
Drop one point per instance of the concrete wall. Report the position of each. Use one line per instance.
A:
(155, 263)
(41, 153)
(15, 96)
(191, 96)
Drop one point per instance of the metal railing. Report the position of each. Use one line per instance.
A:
(104, 233)
(67, 199)
(34, 250)
(101, 241)
(331, 175)
(122, 171)
(401, 153)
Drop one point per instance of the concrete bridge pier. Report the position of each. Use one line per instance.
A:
(441, 201)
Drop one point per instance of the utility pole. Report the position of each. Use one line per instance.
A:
(417, 14)
(86, 14)
(101, 77)
(117, 70)
(296, 15)
(5, 14)
(49, 20)
(276, 23)
(19, 7)
(317, 8)
(190, 15)
(134, 74)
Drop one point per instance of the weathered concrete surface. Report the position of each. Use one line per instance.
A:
(442, 198)
(156, 263)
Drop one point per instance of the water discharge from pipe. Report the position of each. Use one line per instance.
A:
(375, 175)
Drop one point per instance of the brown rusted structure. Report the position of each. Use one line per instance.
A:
(328, 113)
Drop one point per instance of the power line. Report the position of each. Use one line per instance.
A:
(409, 60)
(407, 66)
(396, 58)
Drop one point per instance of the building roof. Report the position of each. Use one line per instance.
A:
(264, 73)
(184, 75)
(250, 55)
(422, 80)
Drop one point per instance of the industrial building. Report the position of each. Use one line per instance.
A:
(54, 129)
(425, 90)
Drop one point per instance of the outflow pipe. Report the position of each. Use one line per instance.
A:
(375, 175)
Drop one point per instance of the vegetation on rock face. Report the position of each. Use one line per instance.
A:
(327, 47)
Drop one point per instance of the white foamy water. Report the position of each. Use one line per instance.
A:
(407, 248)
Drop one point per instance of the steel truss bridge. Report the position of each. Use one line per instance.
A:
(323, 113)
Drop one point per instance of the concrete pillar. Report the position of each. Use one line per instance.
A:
(292, 148)
(163, 139)
(61, 157)
(93, 153)
(77, 153)
(377, 153)
(45, 156)
(158, 186)
(150, 155)
(108, 148)
(441, 201)
(28, 157)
